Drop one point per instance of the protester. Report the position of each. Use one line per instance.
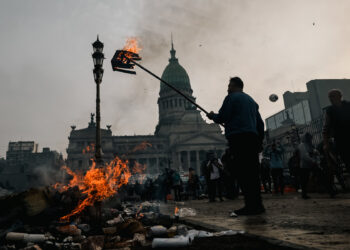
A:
(149, 190)
(212, 170)
(193, 184)
(214, 186)
(331, 168)
(294, 169)
(164, 182)
(276, 165)
(265, 174)
(244, 130)
(326, 170)
(308, 160)
(337, 125)
(205, 174)
(177, 185)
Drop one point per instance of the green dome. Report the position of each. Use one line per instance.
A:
(175, 74)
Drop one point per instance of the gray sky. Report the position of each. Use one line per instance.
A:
(46, 67)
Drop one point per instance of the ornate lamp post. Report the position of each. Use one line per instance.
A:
(98, 57)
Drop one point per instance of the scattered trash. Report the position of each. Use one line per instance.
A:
(13, 236)
(181, 230)
(158, 230)
(116, 220)
(233, 214)
(139, 239)
(204, 234)
(228, 232)
(95, 242)
(198, 233)
(130, 227)
(122, 226)
(109, 230)
(69, 230)
(181, 241)
(172, 231)
(186, 212)
(84, 227)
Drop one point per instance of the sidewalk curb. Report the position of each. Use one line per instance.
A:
(273, 241)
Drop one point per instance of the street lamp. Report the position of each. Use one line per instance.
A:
(98, 57)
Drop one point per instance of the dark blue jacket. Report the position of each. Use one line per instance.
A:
(240, 114)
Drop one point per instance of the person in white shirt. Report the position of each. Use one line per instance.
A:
(214, 168)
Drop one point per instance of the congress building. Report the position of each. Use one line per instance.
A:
(181, 139)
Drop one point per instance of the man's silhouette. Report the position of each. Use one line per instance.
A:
(244, 130)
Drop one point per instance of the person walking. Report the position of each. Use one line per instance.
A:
(308, 161)
(177, 185)
(212, 171)
(265, 174)
(215, 169)
(193, 184)
(294, 168)
(244, 130)
(337, 125)
(276, 165)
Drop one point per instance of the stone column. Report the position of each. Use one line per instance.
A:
(157, 165)
(179, 160)
(198, 163)
(188, 159)
(148, 165)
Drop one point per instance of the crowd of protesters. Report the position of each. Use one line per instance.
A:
(239, 170)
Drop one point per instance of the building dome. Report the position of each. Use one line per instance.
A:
(175, 74)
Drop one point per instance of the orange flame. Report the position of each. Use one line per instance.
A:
(101, 183)
(132, 45)
(98, 183)
(176, 212)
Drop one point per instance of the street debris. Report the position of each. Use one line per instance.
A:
(186, 212)
(233, 214)
(31, 220)
(180, 241)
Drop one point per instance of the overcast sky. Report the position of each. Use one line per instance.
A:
(46, 67)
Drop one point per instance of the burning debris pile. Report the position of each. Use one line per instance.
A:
(86, 213)
(36, 224)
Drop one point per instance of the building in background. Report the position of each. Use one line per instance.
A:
(25, 167)
(299, 114)
(18, 152)
(317, 95)
(303, 113)
(181, 139)
(304, 107)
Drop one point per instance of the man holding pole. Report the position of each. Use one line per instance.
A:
(244, 130)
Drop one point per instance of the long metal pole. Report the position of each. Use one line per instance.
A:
(169, 85)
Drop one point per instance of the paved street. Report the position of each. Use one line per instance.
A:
(319, 222)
